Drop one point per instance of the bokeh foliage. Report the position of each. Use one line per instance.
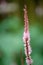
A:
(11, 33)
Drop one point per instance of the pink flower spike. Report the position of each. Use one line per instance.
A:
(26, 38)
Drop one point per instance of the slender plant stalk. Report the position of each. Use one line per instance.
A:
(21, 56)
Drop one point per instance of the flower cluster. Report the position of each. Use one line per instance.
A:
(26, 39)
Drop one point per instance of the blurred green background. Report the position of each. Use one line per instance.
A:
(11, 33)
